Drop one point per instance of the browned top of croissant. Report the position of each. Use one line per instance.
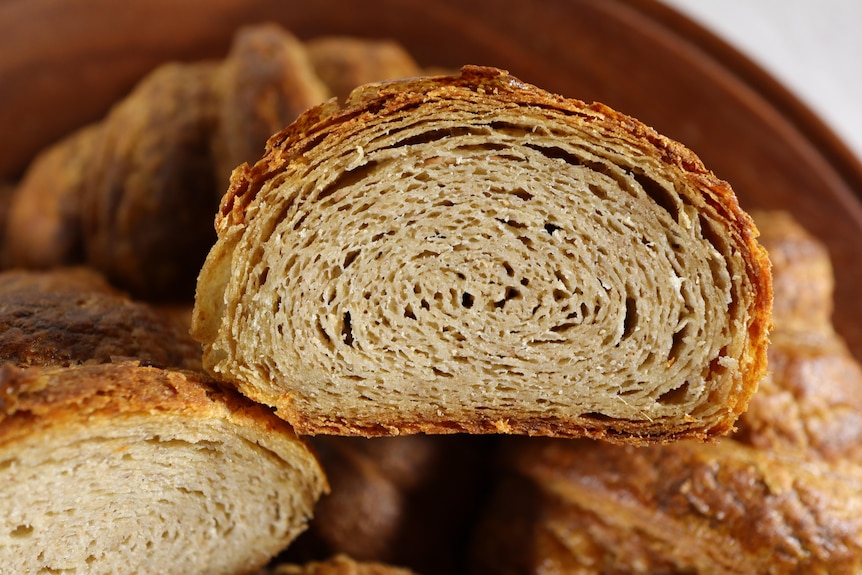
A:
(73, 316)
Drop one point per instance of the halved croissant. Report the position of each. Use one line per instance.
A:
(119, 467)
(471, 253)
(115, 456)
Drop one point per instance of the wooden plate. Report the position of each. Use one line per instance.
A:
(63, 63)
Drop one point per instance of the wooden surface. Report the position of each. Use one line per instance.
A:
(63, 62)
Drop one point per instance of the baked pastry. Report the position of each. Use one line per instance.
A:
(148, 204)
(803, 277)
(810, 401)
(45, 227)
(116, 455)
(471, 253)
(583, 507)
(72, 316)
(265, 82)
(345, 62)
(120, 467)
(7, 192)
(405, 501)
(782, 493)
(338, 565)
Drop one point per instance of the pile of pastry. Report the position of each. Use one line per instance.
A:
(258, 321)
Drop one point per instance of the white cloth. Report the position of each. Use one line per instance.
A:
(813, 47)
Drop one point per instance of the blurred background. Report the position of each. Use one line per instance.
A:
(812, 46)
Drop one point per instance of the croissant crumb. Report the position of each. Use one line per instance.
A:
(471, 253)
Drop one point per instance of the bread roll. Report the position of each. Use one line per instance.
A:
(474, 254)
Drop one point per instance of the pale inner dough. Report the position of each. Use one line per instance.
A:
(138, 495)
(485, 269)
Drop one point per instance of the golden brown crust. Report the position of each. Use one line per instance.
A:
(266, 81)
(72, 316)
(474, 83)
(44, 221)
(298, 147)
(51, 396)
(345, 62)
(40, 397)
(680, 508)
(339, 565)
(151, 191)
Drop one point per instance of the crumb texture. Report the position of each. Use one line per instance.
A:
(106, 467)
(485, 261)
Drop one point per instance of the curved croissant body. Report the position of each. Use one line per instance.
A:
(780, 496)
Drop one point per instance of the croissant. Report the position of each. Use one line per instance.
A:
(584, 507)
(471, 253)
(115, 457)
(781, 495)
(45, 213)
(345, 62)
(338, 565)
(264, 83)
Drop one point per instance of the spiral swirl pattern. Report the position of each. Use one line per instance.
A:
(472, 263)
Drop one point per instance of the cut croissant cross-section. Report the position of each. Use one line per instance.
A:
(473, 254)
(118, 467)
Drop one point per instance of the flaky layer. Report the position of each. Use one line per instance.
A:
(474, 254)
(589, 508)
(112, 468)
(782, 493)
